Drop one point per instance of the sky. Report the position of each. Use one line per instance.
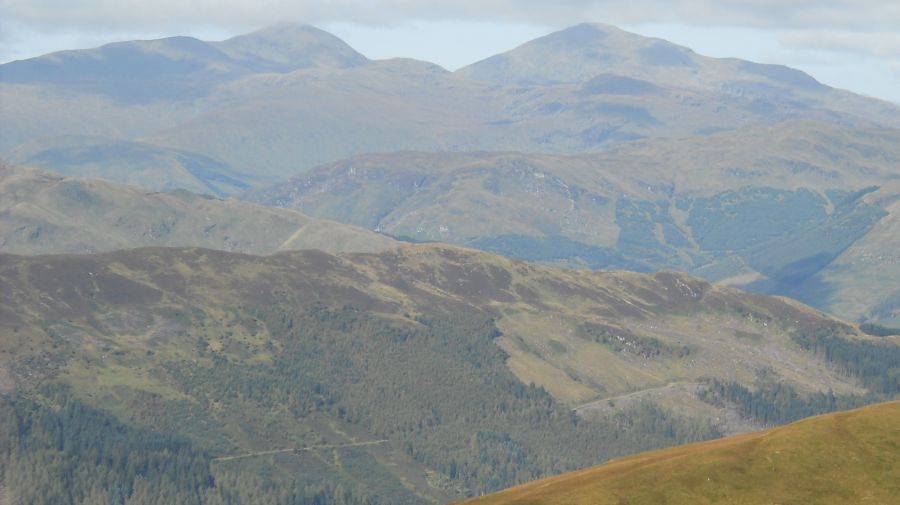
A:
(851, 44)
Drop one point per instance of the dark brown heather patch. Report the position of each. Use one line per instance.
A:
(529, 296)
(118, 290)
(70, 286)
(476, 280)
(681, 290)
(315, 262)
(566, 289)
(9, 319)
(615, 305)
(651, 297)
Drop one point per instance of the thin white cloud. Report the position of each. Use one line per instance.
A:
(879, 44)
(850, 15)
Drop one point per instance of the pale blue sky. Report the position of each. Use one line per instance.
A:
(848, 44)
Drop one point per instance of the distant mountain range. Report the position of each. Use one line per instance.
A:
(268, 105)
(850, 457)
(591, 146)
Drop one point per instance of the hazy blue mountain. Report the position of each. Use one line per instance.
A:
(181, 68)
(285, 99)
(583, 52)
(286, 47)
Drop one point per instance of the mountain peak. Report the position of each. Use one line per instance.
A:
(580, 52)
(290, 46)
(580, 34)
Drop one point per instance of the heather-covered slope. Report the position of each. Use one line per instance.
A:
(420, 373)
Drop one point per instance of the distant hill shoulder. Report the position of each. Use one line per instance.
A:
(42, 213)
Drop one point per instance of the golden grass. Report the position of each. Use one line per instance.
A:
(844, 458)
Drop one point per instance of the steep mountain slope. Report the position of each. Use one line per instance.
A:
(280, 101)
(769, 207)
(865, 278)
(44, 213)
(848, 457)
(420, 373)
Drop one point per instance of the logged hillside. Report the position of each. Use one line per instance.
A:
(44, 213)
(261, 107)
(418, 374)
(847, 457)
(797, 209)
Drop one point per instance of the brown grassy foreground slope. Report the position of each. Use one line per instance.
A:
(842, 458)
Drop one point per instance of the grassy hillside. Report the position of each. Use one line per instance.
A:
(848, 457)
(419, 374)
(42, 213)
(772, 208)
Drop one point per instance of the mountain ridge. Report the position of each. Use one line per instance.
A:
(278, 48)
(260, 121)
